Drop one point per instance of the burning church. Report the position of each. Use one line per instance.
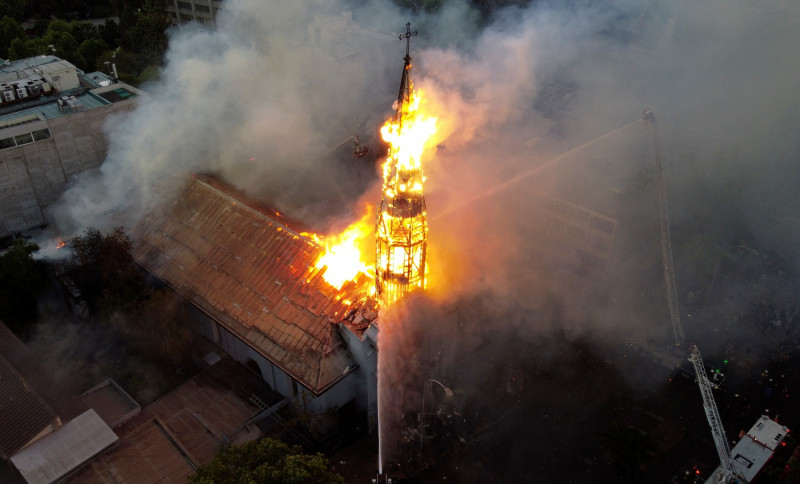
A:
(252, 274)
(296, 308)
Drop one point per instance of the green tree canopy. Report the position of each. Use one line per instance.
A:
(267, 461)
(103, 269)
(65, 44)
(10, 29)
(22, 280)
(13, 8)
(90, 51)
(145, 35)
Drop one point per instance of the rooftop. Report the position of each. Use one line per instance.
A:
(111, 402)
(754, 449)
(83, 91)
(184, 428)
(247, 266)
(62, 451)
(30, 401)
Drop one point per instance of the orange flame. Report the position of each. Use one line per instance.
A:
(60, 243)
(342, 258)
(407, 138)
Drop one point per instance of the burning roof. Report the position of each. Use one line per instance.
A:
(247, 267)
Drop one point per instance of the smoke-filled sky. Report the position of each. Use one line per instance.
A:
(267, 98)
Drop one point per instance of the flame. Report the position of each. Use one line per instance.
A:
(60, 243)
(407, 135)
(402, 229)
(342, 258)
(408, 132)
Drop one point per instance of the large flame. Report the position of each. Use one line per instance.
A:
(407, 135)
(342, 259)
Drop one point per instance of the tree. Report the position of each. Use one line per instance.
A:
(10, 29)
(110, 32)
(65, 44)
(145, 35)
(90, 51)
(22, 280)
(103, 269)
(267, 461)
(13, 8)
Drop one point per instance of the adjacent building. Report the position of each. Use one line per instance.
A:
(46, 431)
(201, 11)
(51, 129)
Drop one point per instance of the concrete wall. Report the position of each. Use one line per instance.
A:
(359, 385)
(34, 175)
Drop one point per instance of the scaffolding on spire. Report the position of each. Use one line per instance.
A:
(402, 228)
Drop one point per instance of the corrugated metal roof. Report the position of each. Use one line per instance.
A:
(247, 266)
(30, 400)
(64, 450)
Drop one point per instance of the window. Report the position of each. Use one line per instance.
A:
(184, 5)
(23, 139)
(42, 134)
(743, 461)
(7, 143)
(202, 8)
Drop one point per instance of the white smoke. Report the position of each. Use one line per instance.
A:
(263, 98)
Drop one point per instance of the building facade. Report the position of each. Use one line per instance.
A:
(51, 119)
(200, 11)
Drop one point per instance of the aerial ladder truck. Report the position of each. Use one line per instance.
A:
(726, 472)
(666, 243)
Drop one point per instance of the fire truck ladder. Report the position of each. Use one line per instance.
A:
(721, 442)
(666, 242)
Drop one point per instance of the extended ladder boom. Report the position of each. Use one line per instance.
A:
(721, 442)
(666, 242)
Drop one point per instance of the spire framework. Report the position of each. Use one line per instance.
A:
(402, 228)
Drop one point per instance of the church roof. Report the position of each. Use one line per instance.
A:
(30, 401)
(247, 266)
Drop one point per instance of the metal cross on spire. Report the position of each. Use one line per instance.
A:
(408, 36)
(405, 82)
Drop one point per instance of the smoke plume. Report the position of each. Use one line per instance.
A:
(535, 100)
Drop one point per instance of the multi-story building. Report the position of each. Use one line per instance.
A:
(201, 11)
(51, 118)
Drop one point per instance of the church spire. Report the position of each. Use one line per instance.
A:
(402, 227)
